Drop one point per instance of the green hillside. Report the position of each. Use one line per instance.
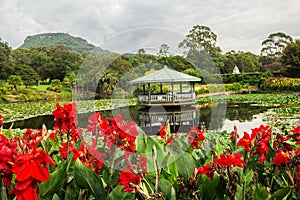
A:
(75, 44)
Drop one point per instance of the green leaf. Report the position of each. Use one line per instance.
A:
(279, 181)
(111, 179)
(72, 191)
(211, 189)
(117, 194)
(85, 178)
(292, 143)
(220, 145)
(248, 177)
(141, 142)
(172, 168)
(167, 189)
(53, 185)
(55, 197)
(281, 194)
(4, 193)
(185, 165)
(161, 154)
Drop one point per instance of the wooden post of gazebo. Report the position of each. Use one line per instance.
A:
(149, 94)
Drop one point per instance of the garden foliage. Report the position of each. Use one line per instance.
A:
(113, 159)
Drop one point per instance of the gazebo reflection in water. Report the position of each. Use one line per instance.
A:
(166, 95)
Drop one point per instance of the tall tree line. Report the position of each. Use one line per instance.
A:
(202, 54)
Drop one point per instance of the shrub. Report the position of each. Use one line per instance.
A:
(234, 87)
(55, 85)
(3, 90)
(281, 84)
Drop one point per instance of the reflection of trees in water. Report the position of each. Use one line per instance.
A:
(212, 118)
(241, 112)
(33, 123)
(129, 114)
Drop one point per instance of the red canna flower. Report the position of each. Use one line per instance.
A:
(281, 141)
(63, 149)
(66, 121)
(205, 169)
(32, 166)
(162, 131)
(123, 135)
(25, 190)
(296, 134)
(230, 160)
(166, 135)
(246, 141)
(237, 160)
(234, 135)
(1, 122)
(260, 139)
(281, 157)
(30, 169)
(20, 156)
(7, 154)
(263, 135)
(97, 125)
(129, 180)
(195, 136)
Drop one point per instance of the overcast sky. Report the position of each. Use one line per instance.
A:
(239, 24)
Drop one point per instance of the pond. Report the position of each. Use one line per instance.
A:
(219, 117)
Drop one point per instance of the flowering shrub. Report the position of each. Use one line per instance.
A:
(113, 159)
(282, 84)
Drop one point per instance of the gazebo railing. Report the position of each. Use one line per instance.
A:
(166, 98)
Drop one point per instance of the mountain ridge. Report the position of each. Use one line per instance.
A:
(75, 44)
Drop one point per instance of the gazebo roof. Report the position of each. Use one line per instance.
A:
(165, 75)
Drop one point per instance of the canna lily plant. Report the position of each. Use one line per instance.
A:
(113, 159)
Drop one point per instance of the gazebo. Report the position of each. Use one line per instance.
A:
(166, 87)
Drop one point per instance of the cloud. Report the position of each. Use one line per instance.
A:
(239, 25)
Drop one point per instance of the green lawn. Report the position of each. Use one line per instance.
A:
(39, 87)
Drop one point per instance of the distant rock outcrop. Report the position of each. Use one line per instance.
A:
(75, 44)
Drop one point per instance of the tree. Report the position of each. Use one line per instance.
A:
(63, 62)
(21, 56)
(273, 46)
(245, 61)
(28, 75)
(202, 50)
(176, 62)
(15, 81)
(192, 72)
(5, 60)
(230, 61)
(163, 51)
(291, 59)
(200, 38)
(40, 60)
(70, 79)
